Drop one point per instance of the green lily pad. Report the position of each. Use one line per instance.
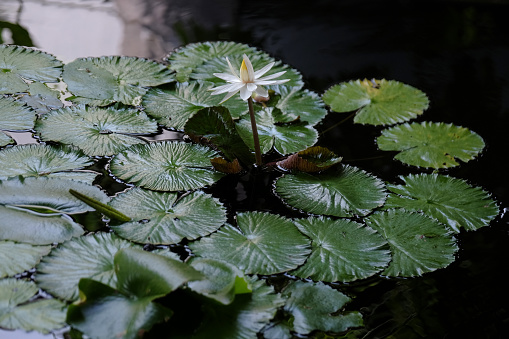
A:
(18, 64)
(428, 144)
(286, 138)
(95, 130)
(44, 160)
(451, 201)
(17, 311)
(5, 139)
(316, 306)
(15, 115)
(41, 98)
(418, 243)
(166, 218)
(341, 250)
(263, 243)
(166, 166)
(17, 258)
(297, 103)
(343, 191)
(105, 80)
(89, 256)
(379, 102)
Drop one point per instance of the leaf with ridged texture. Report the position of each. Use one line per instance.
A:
(18, 257)
(379, 102)
(41, 98)
(341, 250)
(301, 103)
(5, 139)
(263, 243)
(344, 191)
(418, 243)
(95, 130)
(165, 218)
(44, 160)
(89, 256)
(429, 144)
(310, 160)
(166, 166)
(15, 115)
(451, 201)
(17, 311)
(111, 79)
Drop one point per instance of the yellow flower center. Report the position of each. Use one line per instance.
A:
(244, 74)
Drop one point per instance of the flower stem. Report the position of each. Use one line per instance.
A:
(258, 153)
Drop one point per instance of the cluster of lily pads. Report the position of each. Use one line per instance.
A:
(99, 118)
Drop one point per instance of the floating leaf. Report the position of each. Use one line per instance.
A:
(166, 166)
(45, 160)
(17, 258)
(17, 312)
(5, 139)
(42, 98)
(344, 191)
(111, 79)
(166, 218)
(95, 130)
(18, 64)
(316, 307)
(286, 138)
(15, 116)
(312, 159)
(449, 200)
(379, 102)
(89, 256)
(264, 243)
(429, 144)
(301, 104)
(418, 243)
(225, 166)
(341, 250)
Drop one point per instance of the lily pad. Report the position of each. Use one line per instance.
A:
(41, 98)
(263, 243)
(89, 256)
(96, 131)
(341, 250)
(301, 104)
(44, 160)
(428, 144)
(343, 191)
(166, 166)
(451, 201)
(318, 307)
(5, 139)
(17, 258)
(379, 102)
(15, 115)
(111, 79)
(17, 311)
(418, 243)
(166, 218)
(310, 160)
(286, 138)
(18, 64)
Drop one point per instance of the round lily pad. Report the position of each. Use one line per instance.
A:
(166, 166)
(263, 243)
(15, 115)
(379, 102)
(343, 191)
(428, 144)
(301, 104)
(18, 257)
(166, 218)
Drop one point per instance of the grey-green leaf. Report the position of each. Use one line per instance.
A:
(15, 115)
(18, 257)
(111, 79)
(5, 139)
(95, 130)
(451, 201)
(166, 166)
(263, 243)
(428, 144)
(418, 243)
(166, 218)
(301, 104)
(341, 250)
(343, 191)
(379, 102)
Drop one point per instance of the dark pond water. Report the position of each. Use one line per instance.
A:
(457, 52)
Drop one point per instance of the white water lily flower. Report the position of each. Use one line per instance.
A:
(248, 82)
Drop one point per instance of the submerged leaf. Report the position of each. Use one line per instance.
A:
(312, 159)
(344, 191)
(264, 243)
(166, 166)
(418, 243)
(451, 201)
(429, 144)
(379, 102)
(17, 257)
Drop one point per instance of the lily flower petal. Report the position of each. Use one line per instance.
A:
(272, 76)
(264, 70)
(227, 77)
